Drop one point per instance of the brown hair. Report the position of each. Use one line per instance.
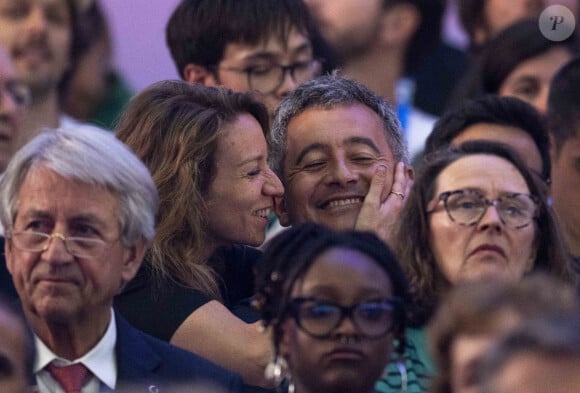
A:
(174, 128)
(480, 308)
(412, 245)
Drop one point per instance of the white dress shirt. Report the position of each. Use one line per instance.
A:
(100, 360)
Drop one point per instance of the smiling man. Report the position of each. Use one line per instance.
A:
(247, 45)
(40, 36)
(342, 157)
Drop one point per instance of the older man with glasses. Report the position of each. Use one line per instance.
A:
(75, 235)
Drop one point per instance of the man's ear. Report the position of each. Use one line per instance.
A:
(132, 259)
(195, 73)
(281, 211)
(399, 25)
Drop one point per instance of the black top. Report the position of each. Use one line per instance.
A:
(6, 285)
(159, 307)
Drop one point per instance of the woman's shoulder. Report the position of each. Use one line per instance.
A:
(158, 306)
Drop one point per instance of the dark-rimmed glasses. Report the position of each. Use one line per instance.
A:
(319, 318)
(81, 247)
(268, 78)
(467, 207)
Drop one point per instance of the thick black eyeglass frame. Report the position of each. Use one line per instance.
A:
(346, 312)
(290, 68)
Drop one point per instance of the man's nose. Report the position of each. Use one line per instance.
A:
(341, 172)
(56, 251)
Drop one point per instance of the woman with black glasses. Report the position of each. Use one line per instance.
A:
(334, 302)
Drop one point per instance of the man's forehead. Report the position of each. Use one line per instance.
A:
(274, 46)
(348, 124)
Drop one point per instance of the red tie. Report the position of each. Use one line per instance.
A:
(71, 378)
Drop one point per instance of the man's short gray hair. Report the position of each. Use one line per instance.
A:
(91, 156)
(328, 92)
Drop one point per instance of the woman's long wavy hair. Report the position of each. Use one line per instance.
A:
(174, 128)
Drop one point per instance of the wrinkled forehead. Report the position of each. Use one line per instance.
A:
(339, 125)
(487, 173)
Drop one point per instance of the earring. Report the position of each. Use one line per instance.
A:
(403, 371)
(291, 387)
(276, 370)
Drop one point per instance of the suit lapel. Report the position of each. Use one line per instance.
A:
(136, 360)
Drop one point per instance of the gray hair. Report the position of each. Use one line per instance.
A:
(328, 92)
(91, 156)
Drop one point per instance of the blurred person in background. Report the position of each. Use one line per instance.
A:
(42, 38)
(14, 96)
(507, 120)
(476, 315)
(564, 131)
(96, 92)
(16, 351)
(518, 62)
(542, 355)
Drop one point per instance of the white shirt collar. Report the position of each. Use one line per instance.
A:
(100, 360)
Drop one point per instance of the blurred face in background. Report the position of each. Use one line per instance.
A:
(530, 80)
(13, 96)
(514, 137)
(565, 189)
(350, 26)
(37, 34)
(499, 14)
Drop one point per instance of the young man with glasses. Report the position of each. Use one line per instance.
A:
(247, 45)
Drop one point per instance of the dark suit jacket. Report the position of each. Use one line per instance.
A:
(146, 364)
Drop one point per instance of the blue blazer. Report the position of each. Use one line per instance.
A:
(146, 364)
